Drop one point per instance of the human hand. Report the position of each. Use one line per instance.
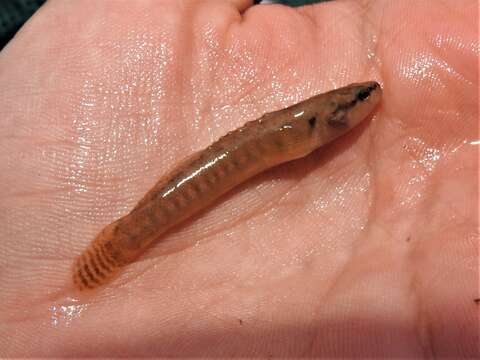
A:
(368, 247)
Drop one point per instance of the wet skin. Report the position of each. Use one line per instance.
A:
(369, 248)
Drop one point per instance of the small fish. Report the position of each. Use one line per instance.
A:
(275, 138)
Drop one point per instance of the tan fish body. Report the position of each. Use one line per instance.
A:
(273, 139)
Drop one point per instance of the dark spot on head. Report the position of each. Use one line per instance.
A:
(240, 321)
(408, 238)
(477, 301)
(364, 94)
(312, 122)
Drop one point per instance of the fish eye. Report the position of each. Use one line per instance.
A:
(364, 94)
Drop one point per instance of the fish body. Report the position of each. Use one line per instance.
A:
(274, 138)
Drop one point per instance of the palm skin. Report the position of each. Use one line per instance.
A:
(368, 247)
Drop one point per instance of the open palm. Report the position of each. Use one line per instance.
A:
(369, 246)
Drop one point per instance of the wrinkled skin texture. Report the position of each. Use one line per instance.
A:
(368, 247)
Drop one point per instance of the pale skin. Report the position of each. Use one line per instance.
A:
(367, 248)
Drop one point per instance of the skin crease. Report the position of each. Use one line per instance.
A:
(367, 248)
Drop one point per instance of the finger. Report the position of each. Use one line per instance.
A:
(243, 5)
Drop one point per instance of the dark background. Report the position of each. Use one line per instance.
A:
(14, 13)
